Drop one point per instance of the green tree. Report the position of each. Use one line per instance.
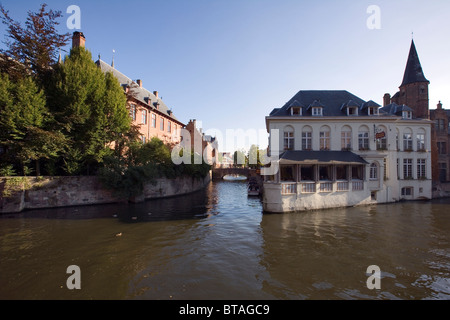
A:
(91, 108)
(23, 122)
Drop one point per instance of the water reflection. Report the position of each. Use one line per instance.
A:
(325, 254)
(217, 244)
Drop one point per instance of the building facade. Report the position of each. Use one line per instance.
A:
(337, 150)
(147, 110)
(441, 118)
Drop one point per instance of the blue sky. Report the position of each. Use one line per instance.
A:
(228, 63)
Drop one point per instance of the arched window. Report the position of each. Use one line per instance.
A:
(325, 138)
(373, 171)
(420, 139)
(363, 138)
(407, 140)
(346, 138)
(307, 138)
(381, 138)
(289, 140)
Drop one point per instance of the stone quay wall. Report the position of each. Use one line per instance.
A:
(21, 193)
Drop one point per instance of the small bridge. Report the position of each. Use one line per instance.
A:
(219, 173)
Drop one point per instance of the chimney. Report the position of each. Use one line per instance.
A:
(386, 99)
(439, 105)
(78, 39)
(156, 94)
(139, 82)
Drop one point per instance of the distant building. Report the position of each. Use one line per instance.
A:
(441, 118)
(201, 144)
(147, 110)
(226, 160)
(337, 150)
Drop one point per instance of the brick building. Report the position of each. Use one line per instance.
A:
(146, 108)
(441, 118)
(414, 93)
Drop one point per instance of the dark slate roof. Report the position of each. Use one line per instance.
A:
(322, 157)
(395, 109)
(331, 101)
(139, 93)
(413, 71)
(368, 104)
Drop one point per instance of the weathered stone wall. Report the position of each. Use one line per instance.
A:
(52, 192)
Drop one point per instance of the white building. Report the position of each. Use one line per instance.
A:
(337, 150)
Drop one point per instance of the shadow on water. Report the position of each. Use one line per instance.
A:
(192, 206)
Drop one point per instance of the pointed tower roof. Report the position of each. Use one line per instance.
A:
(413, 71)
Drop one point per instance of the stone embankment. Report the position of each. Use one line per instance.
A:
(21, 193)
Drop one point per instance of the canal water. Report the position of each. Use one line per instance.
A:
(218, 244)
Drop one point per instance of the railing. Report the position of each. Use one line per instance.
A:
(289, 188)
(342, 186)
(358, 185)
(326, 187)
(309, 187)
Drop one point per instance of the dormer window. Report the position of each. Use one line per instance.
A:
(372, 111)
(317, 111)
(407, 115)
(296, 111)
(352, 111)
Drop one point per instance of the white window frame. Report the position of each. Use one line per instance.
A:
(317, 111)
(373, 171)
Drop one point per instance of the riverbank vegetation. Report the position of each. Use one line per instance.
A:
(68, 118)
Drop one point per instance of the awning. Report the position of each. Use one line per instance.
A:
(321, 157)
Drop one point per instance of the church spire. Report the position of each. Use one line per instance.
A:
(413, 71)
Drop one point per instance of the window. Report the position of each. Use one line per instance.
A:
(407, 191)
(382, 143)
(407, 115)
(325, 173)
(421, 169)
(420, 139)
(341, 172)
(296, 111)
(133, 112)
(407, 141)
(385, 169)
(442, 147)
(372, 111)
(440, 125)
(161, 124)
(143, 139)
(325, 138)
(153, 120)
(357, 172)
(363, 139)
(346, 138)
(287, 173)
(307, 138)
(407, 169)
(351, 111)
(289, 138)
(144, 116)
(373, 171)
(317, 111)
(307, 173)
(169, 126)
